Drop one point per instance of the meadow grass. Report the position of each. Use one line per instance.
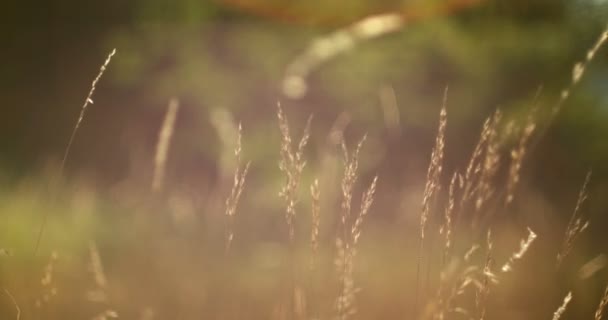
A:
(310, 270)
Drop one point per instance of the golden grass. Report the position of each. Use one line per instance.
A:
(560, 311)
(292, 164)
(448, 225)
(315, 195)
(524, 245)
(240, 174)
(579, 70)
(599, 313)
(576, 225)
(466, 277)
(433, 185)
(87, 101)
(346, 243)
(83, 109)
(488, 278)
(517, 157)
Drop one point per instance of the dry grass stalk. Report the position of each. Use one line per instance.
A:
(163, 145)
(447, 226)
(240, 174)
(291, 164)
(456, 277)
(83, 109)
(14, 302)
(432, 187)
(579, 70)
(315, 195)
(464, 274)
(524, 245)
(477, 182)
(560, 311)
(472, 250)
(345, 252)
(367, 199)
(433, 184)
(488, 277)
(576, 225)
(464, 281)
(491, 161)
(88, 100)
(345, 302)
(517, 156)
(346, 244)
(474, 167)
(482, 166)
(599, 312)
(351, 165)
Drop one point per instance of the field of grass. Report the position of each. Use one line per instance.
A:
(331, 233)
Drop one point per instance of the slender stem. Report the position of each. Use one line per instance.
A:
(87, 101)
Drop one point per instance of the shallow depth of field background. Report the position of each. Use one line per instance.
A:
(162, 252)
